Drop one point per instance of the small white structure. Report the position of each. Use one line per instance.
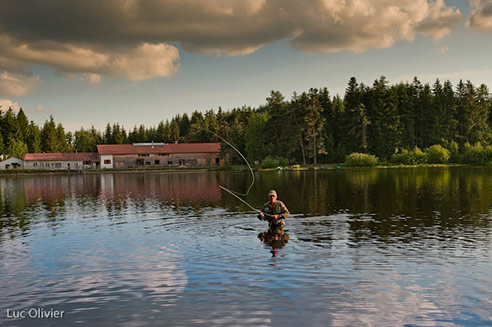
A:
(12, 163)
(107, 161)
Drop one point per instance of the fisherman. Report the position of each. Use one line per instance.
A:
(274, 211)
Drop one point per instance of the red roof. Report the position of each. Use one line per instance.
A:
(68, 156)
(168, 148)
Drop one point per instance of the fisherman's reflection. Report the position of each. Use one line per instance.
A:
(276, 238)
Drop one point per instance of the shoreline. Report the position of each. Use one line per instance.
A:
(236, 168)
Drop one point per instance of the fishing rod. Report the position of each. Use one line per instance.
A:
(243, 201)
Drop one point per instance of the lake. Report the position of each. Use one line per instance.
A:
(362, 247)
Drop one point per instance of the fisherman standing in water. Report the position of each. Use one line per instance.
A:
(274, 211)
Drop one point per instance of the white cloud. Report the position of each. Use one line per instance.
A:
(143, 62)
(481, 15)
(355, 25)
(13, 85)
(5, 104)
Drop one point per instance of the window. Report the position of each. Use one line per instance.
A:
(52, 164)
(47, 165)
(107, 162)
(170, 163)
(157, 162)
(87, 163)
(68, 165)
(217, 161)
(143, 155)
(58, 165)
(163, 154)
(35, 164)
(147, 163)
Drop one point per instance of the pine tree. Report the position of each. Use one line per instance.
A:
(174, 131)
(2, 148)
(49, 136)
(33, 138)
(62, 144)
(16, 148)
(108, 135)
(22, 124)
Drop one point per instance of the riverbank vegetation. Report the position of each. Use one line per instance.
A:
(405, 123)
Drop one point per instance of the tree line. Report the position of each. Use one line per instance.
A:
(311, 127)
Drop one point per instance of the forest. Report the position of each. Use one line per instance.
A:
(312, 127)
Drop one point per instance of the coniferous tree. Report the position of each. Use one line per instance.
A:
(33, 138)
(2, 148)
(314, 122)
(62, 144)
(174, 131)
(108, 135)
(22, 124)
(16, 148)
(256, 146)
(49, 136)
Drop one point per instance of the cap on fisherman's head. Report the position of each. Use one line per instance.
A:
(272, 192)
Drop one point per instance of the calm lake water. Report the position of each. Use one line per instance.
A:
(379, 247)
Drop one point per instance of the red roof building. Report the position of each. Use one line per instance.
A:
(61, 160)
(62, 156)
(104, 149)
(159, 155)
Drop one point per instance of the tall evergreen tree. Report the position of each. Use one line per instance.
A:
(2, 147)
(22, 123)
(62, 144)
(16, 148)
(33, 138)
(49, 140)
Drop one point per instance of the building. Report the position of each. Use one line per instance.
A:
(11, 163)
(159, 155)
(61, 161)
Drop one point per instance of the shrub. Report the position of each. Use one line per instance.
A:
(406, 157)
(437, 154)
(453, 148)
(360, 160)
(476, 154)
(273, 162)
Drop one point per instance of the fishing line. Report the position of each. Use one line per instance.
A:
(234, 193)
(245, 160)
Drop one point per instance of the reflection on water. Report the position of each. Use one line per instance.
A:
(276, 238)
(368, 247)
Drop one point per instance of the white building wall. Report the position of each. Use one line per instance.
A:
(10, 162)
(53, 165)
(107, 161)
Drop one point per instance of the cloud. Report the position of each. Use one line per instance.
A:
(5, 104)
(41, 109)
(354, 25)
(481, 15)
(137, 39)
(16, 84)
(142, 62)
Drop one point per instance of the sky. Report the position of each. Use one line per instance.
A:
(138, 62)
